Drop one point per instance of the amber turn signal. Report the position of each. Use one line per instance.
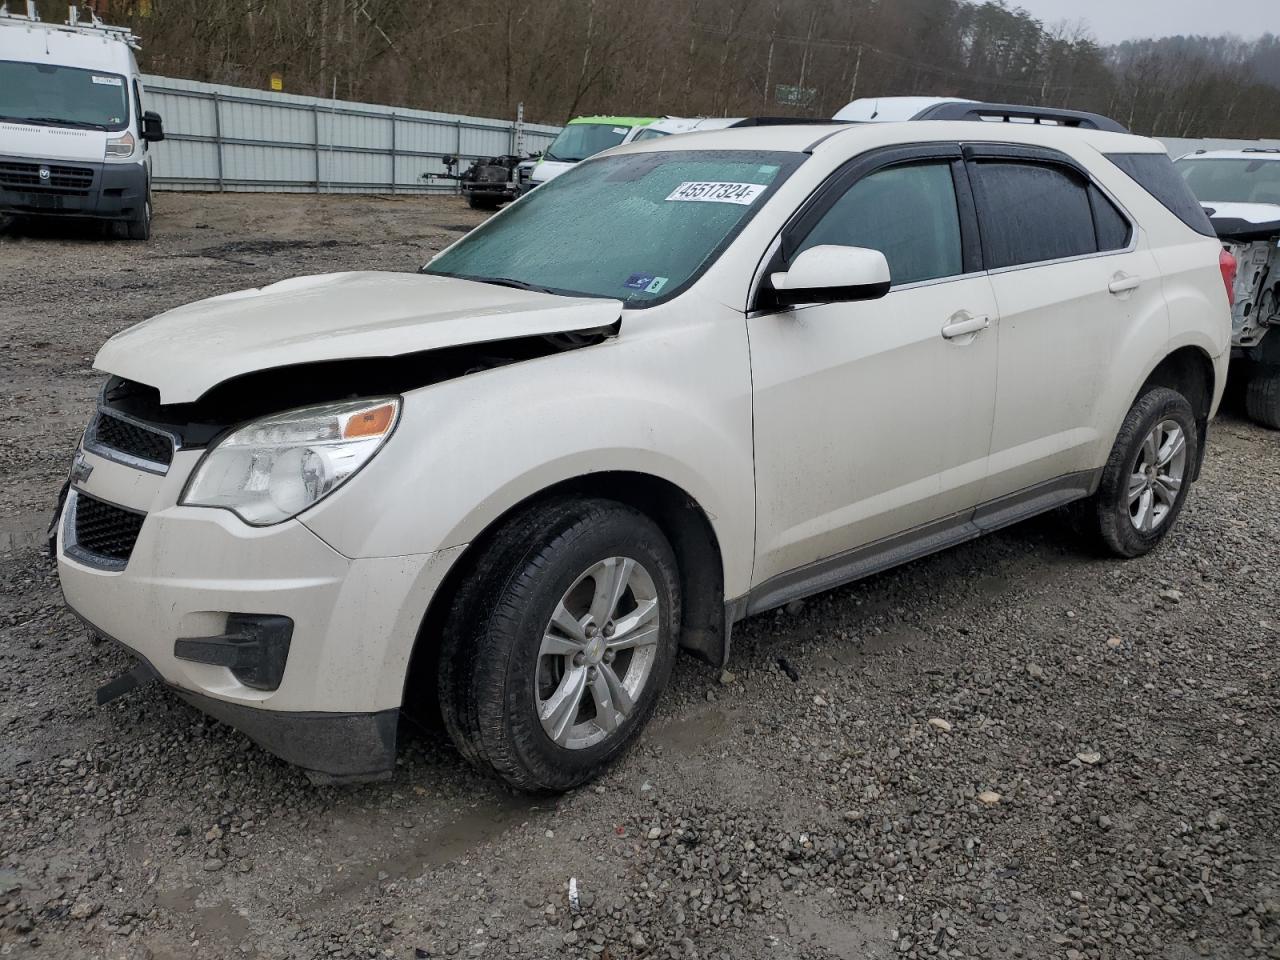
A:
(369, 423)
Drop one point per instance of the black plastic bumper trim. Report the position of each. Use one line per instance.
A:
(329, 747)
(255, 648)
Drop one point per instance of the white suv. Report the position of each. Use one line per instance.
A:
(686, 382)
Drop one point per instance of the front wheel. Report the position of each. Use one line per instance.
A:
(557, 649)
(139, 228)
(1147, 477)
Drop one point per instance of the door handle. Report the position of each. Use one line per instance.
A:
(962, 324)
(1123, 283)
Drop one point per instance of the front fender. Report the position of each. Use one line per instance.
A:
(671, 400)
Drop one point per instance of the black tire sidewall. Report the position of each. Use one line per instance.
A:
(1262, 396)
(1118, 531)
(508, 723)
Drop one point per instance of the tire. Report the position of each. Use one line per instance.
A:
(497, 679)
(1129, 526)
(1262, 397)
(476, 202)
(140, 227)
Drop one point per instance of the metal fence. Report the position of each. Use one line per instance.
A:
(225, 138)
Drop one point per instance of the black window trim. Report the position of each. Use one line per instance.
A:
(975, 153)
(839, 181)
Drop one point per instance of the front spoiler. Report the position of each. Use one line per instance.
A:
(329, 747)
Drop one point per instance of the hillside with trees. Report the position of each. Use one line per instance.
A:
(692, 57)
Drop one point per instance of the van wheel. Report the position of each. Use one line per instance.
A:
(1262, 397)
(557, 648)
(139, 228)
(1146, 478)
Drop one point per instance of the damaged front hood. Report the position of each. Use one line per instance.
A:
(338, 316)
(1244, 221)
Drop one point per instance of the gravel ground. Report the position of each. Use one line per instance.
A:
(1013, 749)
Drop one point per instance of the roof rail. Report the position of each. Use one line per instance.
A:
(74, 24)
(1011, 112)
(1261, 150)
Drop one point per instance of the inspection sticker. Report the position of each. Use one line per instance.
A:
(703, 191)
(106, 81)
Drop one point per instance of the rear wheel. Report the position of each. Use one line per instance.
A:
(1147, 477)
(1262, 397)
(558, 647)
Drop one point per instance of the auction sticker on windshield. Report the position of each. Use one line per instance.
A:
(703, 191)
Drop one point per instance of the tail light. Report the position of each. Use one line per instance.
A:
(1228, 265)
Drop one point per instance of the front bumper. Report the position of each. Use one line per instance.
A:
(109, 191)
(191, 570)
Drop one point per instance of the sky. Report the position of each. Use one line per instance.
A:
(1112, 21)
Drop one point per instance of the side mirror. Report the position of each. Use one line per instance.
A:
(830, 273)
(152, 127)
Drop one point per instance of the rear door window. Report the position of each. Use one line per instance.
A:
(908, 213)
(1032, 212)
(1155, 173)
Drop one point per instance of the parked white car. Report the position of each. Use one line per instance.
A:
(1240, 191)
(684, 383)
(890, 109)
(668, 126)
(74, 135)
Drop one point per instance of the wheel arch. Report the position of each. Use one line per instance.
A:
(1190, 371)
(684, 522)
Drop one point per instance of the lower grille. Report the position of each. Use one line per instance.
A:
(68, 181)
(134, 440)
(103, 530)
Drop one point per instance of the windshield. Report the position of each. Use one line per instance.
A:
(62, 96)
(637, 227)
(1233, 180)
(578, 141)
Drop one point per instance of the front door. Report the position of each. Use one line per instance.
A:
(874, 418)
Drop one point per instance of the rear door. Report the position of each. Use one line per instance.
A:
(873, 418)
(1074, 283)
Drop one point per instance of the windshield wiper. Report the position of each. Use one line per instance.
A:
(58, 121)
(508, 282)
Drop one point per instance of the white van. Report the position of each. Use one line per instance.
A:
(74, 139)
(580, 138)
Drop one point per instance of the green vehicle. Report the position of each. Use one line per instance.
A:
(581, 137)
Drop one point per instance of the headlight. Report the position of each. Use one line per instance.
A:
(118, 148)
(274, 468)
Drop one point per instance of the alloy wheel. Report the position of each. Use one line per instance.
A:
(597, 653)
(1157, 476)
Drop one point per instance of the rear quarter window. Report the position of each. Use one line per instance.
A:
(1154, 172)
(1113, 229)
